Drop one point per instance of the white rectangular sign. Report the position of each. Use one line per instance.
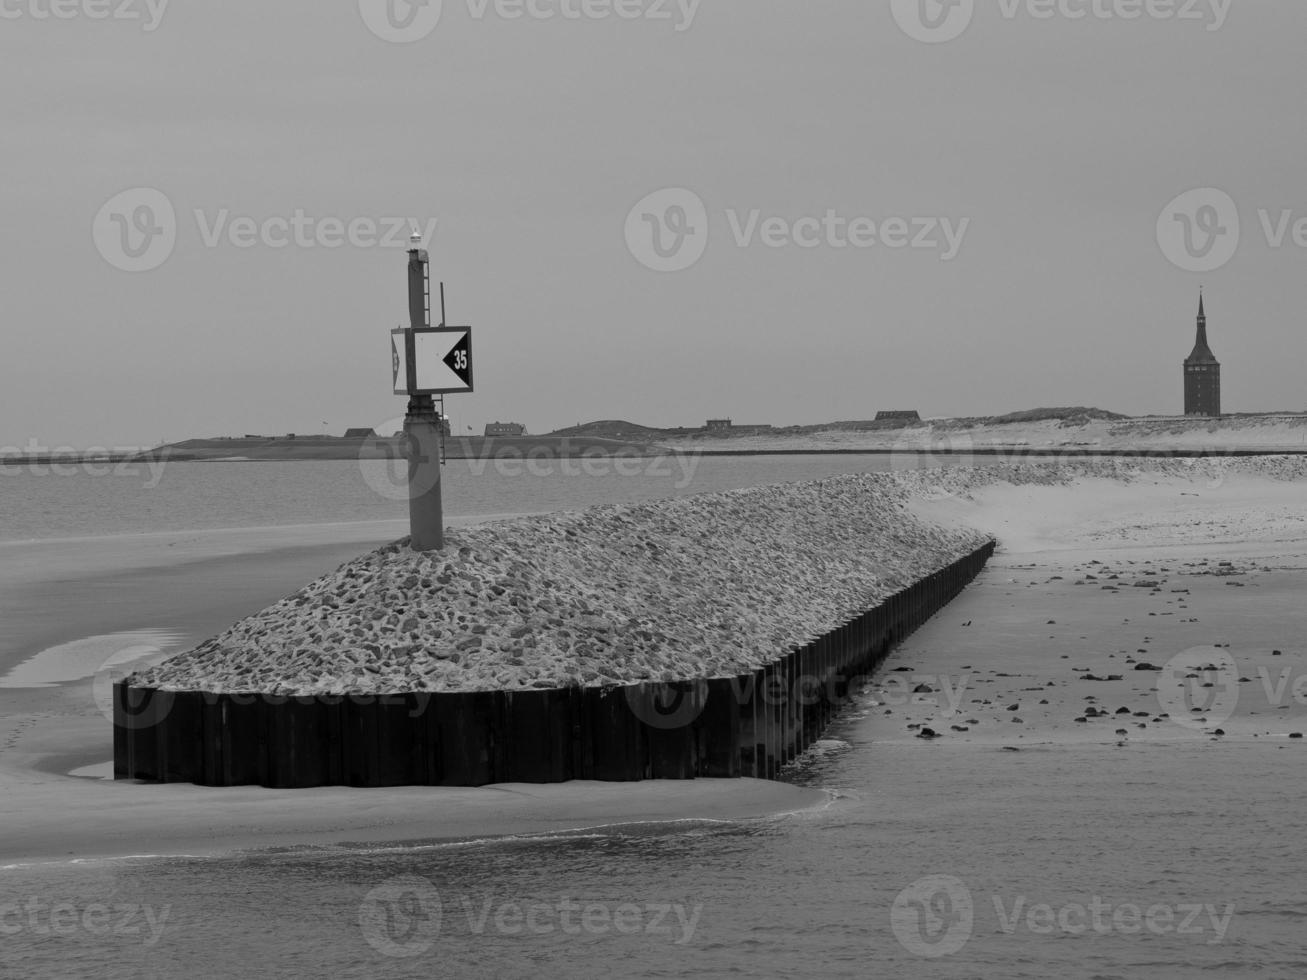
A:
(432, 360)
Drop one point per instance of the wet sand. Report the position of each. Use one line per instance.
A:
(993, 649)
(1090, 587)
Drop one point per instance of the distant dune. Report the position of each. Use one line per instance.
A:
(1087, 429)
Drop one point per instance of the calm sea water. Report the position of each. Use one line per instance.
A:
(89, 500)
(1062, 861)
(1188, 876)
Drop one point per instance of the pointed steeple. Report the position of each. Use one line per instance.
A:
(1201, 352)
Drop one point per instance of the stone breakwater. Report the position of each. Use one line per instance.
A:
(702, 587)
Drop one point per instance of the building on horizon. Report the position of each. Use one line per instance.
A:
(1202, 373)
(505, 429)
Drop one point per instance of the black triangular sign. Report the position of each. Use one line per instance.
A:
(459, 359)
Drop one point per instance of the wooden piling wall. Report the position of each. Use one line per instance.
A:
(748, 725)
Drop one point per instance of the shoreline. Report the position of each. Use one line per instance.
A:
(1159, 519)
(183, 819)
(772, 446)
(187, 820)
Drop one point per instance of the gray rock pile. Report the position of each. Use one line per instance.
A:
(699, 587)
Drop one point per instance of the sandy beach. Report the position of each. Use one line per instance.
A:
(1256, 433)
(1221, 556)
(1095, 584)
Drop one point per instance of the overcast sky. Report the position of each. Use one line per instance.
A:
(971, 224)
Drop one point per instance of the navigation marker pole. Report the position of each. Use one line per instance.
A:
(426, 516)
(427, 361)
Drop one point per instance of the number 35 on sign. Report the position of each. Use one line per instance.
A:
(431, 360)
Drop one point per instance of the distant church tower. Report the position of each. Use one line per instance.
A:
(1202, 373)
